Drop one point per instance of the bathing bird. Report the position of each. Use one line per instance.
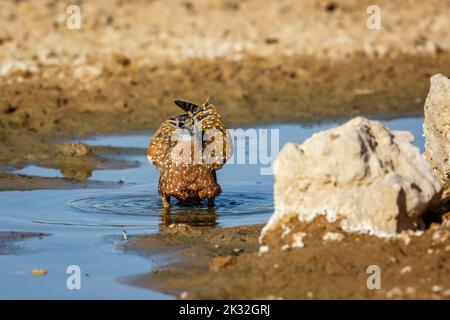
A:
(188, 150)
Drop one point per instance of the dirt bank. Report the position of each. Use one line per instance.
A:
(75, 161)
(225, 264)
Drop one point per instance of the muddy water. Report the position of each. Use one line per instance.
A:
(86, 225)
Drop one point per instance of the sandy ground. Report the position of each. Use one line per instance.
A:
(224, 263)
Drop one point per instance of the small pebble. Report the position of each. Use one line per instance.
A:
(406, 269)
(410, 290)
(333, 236)
(263, 249)
(396, 291)
(184, 295)
(39, 272)
(298, 239)
(436, 288)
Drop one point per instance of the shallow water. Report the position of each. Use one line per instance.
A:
(86, 225)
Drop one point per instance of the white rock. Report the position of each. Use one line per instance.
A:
(286, 231)
(333, 236)
(405, 237)
(16, 68)
(440, 235)
(87, 72)
(263, 249)
(370, 178)
(298, 240)
(394, 292)
(436, 288)
(406, 270)
(436, 128)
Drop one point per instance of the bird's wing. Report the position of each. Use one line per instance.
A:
(161, 143)
(212, 125)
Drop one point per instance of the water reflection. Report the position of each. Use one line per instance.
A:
(201, 218)
(77, 173)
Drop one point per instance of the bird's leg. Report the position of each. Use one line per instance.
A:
(166, 218)
(166, 201)
(211, 202)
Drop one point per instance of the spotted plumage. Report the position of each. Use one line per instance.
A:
(187, 150)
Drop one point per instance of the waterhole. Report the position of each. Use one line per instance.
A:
(86, 225)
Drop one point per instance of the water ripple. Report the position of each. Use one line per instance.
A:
(229, 206)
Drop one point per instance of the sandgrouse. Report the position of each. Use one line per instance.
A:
(187, 150)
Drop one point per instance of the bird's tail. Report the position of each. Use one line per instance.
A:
(186, 106)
